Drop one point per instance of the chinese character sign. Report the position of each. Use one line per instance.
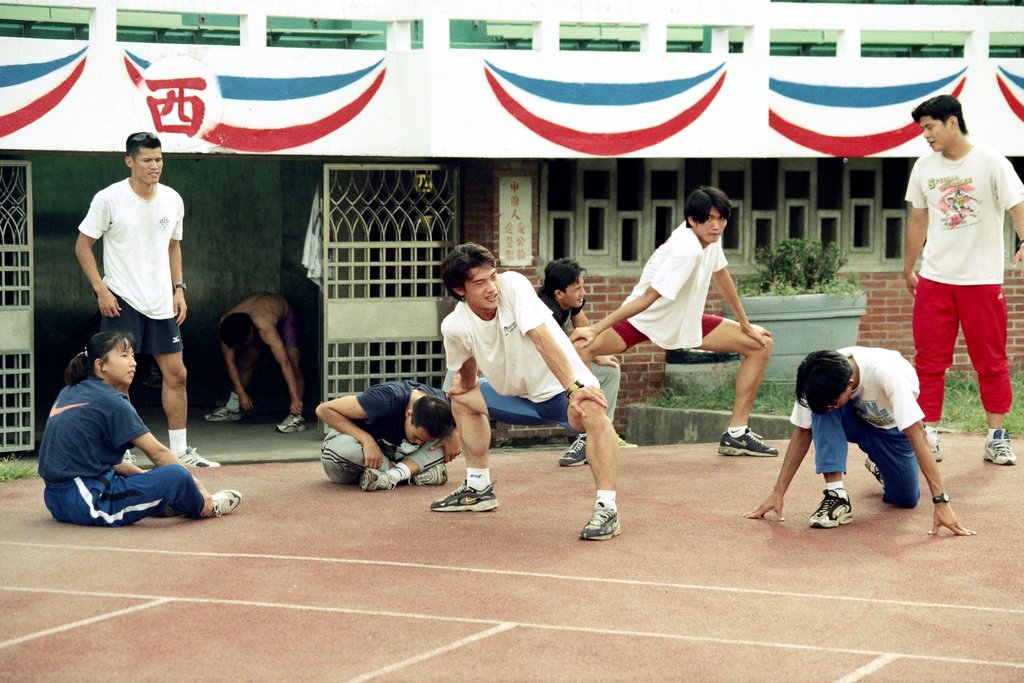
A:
(515, 221)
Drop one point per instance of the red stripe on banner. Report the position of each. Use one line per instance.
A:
(602, 144)
(851, 146)
(19, 119)
(274, 139)
(133, 72)
(1015, 105)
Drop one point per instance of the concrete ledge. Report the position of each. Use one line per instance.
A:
(654, 426)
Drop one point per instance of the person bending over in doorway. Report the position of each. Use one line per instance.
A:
(259, 322)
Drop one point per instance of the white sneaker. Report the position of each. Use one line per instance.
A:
(291, 424)
(129, 458)
(191, 458)
(933, 438)
(998, 450)
(225, 501)
(223, 414)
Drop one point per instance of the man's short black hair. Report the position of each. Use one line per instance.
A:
(462, 259)
(433, 414)
(940, 108)
(560, 274)
(700, 202)
(235, 330)
(821, 378)
(136, 141)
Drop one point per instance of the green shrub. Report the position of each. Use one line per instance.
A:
(797, 266)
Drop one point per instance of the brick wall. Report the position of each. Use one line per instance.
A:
(886, 322)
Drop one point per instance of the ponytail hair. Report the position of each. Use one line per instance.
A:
(100, 345)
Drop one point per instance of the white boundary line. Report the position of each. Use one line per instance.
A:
(505, 625)
(468, 640)
(868, 669)
(83, 622)
(536, 575)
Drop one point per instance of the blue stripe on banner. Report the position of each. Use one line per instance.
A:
(606, 94)
(16, 74)
(1018, 80)
(142, 63)
(858, 97)
(277, 89)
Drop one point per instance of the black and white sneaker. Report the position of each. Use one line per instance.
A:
(466, 498)
(747, 444)
(225, 501)
(603, 525)
(871, 467)
(577, 453)
(833, 511)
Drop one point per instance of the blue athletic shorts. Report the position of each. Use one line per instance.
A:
(520, 411)
(154, 337)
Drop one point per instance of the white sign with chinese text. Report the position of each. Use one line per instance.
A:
(515, 224)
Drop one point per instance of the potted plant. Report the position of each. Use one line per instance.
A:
(798, 295)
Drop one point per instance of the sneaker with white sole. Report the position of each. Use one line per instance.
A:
(747, 444)
(129, 458)
(933, 440)
(435, 475)
(225, 501)
(375, 480)
(577, 453)
(998, 449)
(191, 458)
(291, 424)
(223, 414)
(871, 467)
(603, 525)
(833, 511)
(466, 498)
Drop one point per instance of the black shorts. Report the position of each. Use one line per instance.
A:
(155, 337)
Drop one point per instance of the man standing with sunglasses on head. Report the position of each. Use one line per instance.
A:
(142, 290)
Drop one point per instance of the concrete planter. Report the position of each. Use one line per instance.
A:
(655, 426)
(804, 323)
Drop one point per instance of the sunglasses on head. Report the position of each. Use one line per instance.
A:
(139, 137)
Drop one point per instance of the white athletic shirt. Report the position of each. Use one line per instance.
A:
(503, 352)
(967, 201)
(136, 235)
(887, 394)
(680, 271)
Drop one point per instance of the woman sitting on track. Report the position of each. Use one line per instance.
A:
(90, 426)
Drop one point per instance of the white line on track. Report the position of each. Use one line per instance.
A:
(868, 669)
(526, 625)
(535, 575)
(468, 640)
(83, 622)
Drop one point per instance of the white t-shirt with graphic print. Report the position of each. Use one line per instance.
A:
(136, 235)
(680, 271)
(887, 394)
(504, 354)
(967, 200)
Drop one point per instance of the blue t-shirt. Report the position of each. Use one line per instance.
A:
(385, 405)
(90, 426)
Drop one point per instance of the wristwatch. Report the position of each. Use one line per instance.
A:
(181, 286)
(573, 387)
(941, 498)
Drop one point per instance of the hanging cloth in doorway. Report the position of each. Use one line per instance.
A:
(312, 252)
